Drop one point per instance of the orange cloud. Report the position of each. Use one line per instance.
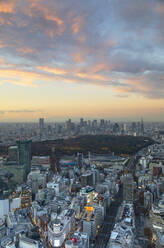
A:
(2, 21)
(92, 76)
(47, 13)
(20, 77)
(57, 71)
(76, 75)
(22, 82)
(111, 43)
(78, 23)
(53, 18)
(160, 9)
(133, 85)
(39, 10)
(26, 50)
(8, 6)
(81, 38)
(138, 83)
(123, 89)
(78, 57)
(2, 62)
(1, 44)
(100, 67)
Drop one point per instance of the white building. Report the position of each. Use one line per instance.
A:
(25, 242)
(15, 203)
(78, 240)
(11, 245)
(4, 207)
(59, 227)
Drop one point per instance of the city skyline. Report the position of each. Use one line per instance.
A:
(68, 59)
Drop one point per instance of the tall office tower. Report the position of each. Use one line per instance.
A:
(94, 123)
(133, 126)
(124, 127)
(80, 160)
(89, 123)
(89, 227)
(128, 188)
(116, 128)
(102, 123)
(87, 179)
(142, 126)
(41, 124)
(24, 154)
(69, 125)
(81, 122)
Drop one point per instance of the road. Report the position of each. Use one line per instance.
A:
(105, 230)
(107, 227)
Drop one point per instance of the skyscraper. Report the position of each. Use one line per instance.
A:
(81, 122)
(24, 154)
(41, 124)
(142, 126)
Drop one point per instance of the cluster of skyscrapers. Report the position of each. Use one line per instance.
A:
(44, 130)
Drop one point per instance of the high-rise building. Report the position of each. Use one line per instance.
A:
(81, 122)
(133, 126)
(142, 126)
(13, 153)
(94, 123)
(102, 123)
(59, 228)
(89, 227)
(24, 154)
(41, 123)
(87, 179)
(116, 128)
(80, 160)
(41, 127)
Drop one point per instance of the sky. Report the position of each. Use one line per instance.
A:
(64, 59)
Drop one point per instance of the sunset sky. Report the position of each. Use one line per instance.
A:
(64, 59)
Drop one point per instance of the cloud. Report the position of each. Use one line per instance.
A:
(78, 23)
(2, 112)
(111, 43)
(19, 77)
(122, 96)
(7, 6)
(52, 70)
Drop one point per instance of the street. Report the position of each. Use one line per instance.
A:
(105, 230)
